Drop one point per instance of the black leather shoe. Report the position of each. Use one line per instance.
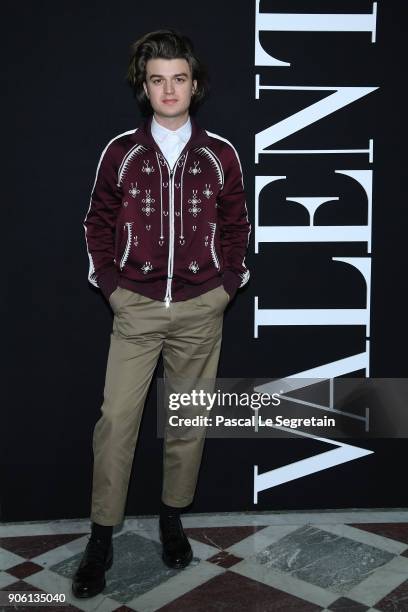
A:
(177, 551)
(89, 579)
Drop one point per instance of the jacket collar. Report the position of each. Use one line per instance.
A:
(143, 134)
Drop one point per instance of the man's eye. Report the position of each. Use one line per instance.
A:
(180, 79)
(156, 81)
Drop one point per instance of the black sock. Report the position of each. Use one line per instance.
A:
(102, 532)
(166, 510)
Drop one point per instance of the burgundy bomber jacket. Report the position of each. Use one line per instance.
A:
(168, 234)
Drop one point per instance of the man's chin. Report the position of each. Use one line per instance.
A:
(172, 111)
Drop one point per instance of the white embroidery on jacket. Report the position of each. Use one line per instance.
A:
(147, 267)
(194, 267)
(148, 200)
(126, 252)
(196, 169)
(134, 191)
(214, 161)
(194, 200)
(146, 167)
(124, 166)
(244, 278)
(207, 191)
(212, 247)
(91, 273)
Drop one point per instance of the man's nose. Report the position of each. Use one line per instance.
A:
(168, 86)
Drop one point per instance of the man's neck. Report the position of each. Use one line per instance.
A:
(172, 123)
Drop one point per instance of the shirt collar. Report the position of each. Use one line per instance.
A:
(143, 135)
(160, 133)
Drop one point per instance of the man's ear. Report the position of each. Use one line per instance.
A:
(194, 86)
(145, 88)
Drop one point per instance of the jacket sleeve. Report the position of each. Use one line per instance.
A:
(234, 225)
(100, 223)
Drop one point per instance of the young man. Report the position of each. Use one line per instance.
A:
(167, 232)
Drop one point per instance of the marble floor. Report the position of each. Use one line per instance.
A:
(349, 561)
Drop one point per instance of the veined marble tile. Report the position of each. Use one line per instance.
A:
(322, 558)
(33, 528)
(181, 583)
(365, 537)
(379, 584)
(149, 529)
(62, 552)
(259, 540)
(137, 567)
(201, 550)
(284, 582)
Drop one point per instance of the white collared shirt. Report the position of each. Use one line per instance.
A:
(171, 142)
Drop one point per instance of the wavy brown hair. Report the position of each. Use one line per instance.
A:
(164, 44)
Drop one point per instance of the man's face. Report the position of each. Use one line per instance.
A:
(169, 86)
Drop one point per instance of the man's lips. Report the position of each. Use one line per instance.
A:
(172, 101)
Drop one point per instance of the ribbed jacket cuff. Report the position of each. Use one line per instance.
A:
(108, 281)
(231, 282)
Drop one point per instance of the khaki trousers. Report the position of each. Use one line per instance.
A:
(189, 335)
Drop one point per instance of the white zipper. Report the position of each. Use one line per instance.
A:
(170, 263)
